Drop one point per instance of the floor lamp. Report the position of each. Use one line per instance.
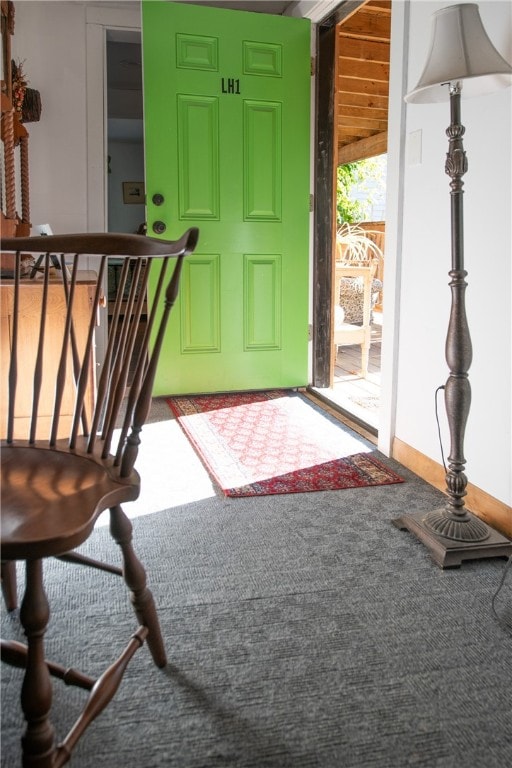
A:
(461, 61)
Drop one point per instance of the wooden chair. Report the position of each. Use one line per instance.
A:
(350, 333)
(62, 464)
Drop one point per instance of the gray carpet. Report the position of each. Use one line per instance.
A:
(303, 631)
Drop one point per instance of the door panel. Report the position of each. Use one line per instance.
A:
(262, 288)
(227, 99)
(201, 285)
(198, 172)
(262, 161)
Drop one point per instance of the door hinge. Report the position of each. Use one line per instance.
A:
(313, 66)
(311, 203)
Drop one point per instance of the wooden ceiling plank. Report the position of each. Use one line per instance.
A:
(355, 104)
(356, 133)
(379, 14)
(362, 81)
(376, 126)
(363, 50)
(363, 70)
(367, 26)
(362, 112)
(384, 8)
(369, 87)
(372, 101)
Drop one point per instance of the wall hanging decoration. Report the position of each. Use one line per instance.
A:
(15, 187)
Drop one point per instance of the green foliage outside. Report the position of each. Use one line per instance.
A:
(369, 176)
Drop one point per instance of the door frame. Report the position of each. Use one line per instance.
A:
(325, 203)
(324, 155)
(98, 22)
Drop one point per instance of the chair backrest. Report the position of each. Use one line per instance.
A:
(50, 392)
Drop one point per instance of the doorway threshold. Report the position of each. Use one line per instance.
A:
(324, 397)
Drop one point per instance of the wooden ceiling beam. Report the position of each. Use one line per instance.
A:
(367, 147)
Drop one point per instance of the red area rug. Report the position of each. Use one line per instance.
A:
(262, 443)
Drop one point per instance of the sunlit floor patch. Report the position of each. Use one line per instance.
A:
(171, 472)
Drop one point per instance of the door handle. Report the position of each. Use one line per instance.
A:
(159, 227)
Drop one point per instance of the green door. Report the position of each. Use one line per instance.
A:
(227, 115)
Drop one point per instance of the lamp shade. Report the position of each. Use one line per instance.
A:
(460, 51)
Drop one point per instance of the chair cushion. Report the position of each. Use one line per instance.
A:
(351, 297)
(339, 316)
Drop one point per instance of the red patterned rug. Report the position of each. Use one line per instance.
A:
(262, 443)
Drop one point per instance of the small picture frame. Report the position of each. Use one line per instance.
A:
(133, 192)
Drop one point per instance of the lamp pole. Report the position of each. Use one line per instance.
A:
(453, 521)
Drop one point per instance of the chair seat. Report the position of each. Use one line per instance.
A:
(349, 327)
(52, 498)
(348, 333)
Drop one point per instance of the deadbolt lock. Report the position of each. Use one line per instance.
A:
(159, 227)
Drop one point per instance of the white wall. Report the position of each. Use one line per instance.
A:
(425, 296)
(51, 38)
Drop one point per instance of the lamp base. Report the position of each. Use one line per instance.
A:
(449, 553)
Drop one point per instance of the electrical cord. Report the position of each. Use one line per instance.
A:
(504, 621)
(438, 425)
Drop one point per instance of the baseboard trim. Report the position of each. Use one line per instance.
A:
(495, 513)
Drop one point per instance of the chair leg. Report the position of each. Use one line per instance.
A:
(365, 354)
(38, 742)
(8, 572)
(135, 578)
